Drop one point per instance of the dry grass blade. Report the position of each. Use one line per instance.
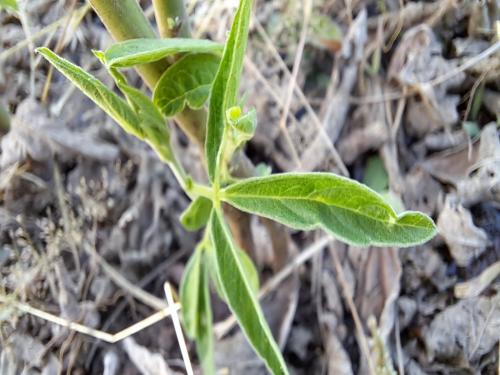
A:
(178, 329)
(77, 327)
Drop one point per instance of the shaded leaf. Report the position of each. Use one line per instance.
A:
(106, 99)
(141, 51)
(190, 293)
(186, 82)
(225, 87)
(196, 310)
(240, 297)
(197, 214)
(347, 209)
(250, 271)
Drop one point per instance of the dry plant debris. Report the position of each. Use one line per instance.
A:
(374, 82)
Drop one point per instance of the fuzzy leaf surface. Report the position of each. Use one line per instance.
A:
(142, 51)
(107, 100)
(196, 310)
(186, 82)
(225, 87)
(240, 297)
(197, 214)
(345, 208)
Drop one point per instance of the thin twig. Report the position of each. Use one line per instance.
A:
(305, 102)
(46, 30)
(469, 63)
(178, 329)
(354, 311)
(293, 81)
(100, 335)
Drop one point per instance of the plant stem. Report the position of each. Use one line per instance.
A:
(124, 19)
(171, 18)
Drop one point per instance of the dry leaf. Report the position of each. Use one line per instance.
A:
(465, 241)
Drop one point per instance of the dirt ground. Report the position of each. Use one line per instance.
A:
(403, 96)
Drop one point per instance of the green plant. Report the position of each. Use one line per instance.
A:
(205, 71)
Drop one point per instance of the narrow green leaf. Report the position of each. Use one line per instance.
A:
(347, 209)
(152, 123)
(9, 4)
(249, 270)
(142, 51)
(106, 99)
(240, 297)
(196, 310)
(190, 293)
(187, 81)
(205, 339)
(225, 87)
(197, 214)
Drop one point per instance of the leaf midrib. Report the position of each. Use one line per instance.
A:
(225, 197)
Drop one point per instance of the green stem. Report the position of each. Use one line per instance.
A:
(171, 18)
(124, 19)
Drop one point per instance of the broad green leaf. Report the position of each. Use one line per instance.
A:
(187, 81)
(9, 4)
(240, 297)
(106, 99)
(225, 87)
(345, 208)
(197, 214)
(196, 310)
(142, 51)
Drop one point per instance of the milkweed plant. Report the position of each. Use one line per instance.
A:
(207, 71)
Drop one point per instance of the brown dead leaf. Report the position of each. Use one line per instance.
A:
(417, 61)
(465, 241)
(466, 331)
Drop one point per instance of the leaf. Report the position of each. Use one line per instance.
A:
(9, 4)
(142, 51)
(249, 270)
(375, 176)
(197, 214)
(152, 123)
(196, 310)
(190, 293)
(106, 99)
(187, 81)
(225, 87)
(205, 339)
(345, 208)
(240, 297)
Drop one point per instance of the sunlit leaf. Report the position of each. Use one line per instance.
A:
(345, 208)
(9, 4)
(225, 87)
(142, 51)
(240, 297)
(106, 99)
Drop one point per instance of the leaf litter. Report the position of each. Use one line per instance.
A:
(122, 202)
